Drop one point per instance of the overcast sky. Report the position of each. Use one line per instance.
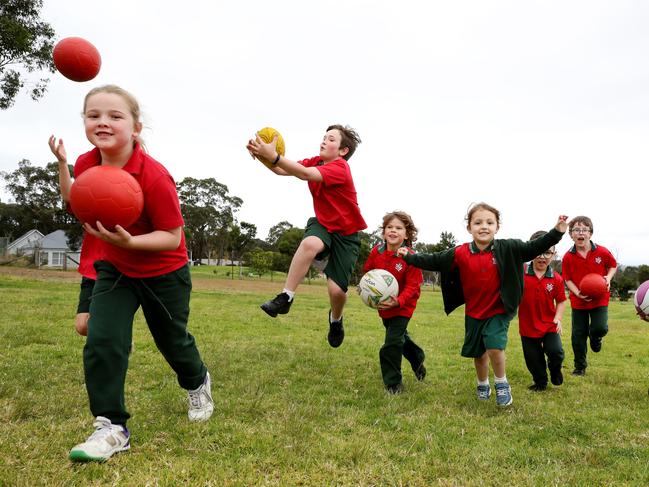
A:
(539, 108)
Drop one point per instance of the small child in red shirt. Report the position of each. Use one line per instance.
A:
(539, 319)
(398, 231)
(333, 232)
(144, 265)
(589, 314)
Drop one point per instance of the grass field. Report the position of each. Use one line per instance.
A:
(290, 410)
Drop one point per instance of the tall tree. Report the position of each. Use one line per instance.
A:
(276, 232)
(38, 203)
(26, 44)
(643, 274)
(241, 237)
(209, 212)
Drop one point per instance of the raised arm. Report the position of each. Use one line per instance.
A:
(65, 180)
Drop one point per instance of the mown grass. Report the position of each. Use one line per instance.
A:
(290, 410)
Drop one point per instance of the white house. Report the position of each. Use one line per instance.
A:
(25, 243)
(52, 249)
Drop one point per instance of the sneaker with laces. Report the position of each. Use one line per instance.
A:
(280, 304)
(503, 394)
(201, 405)
(484, 392)
(420, 372)
(336, 333)
(107, 440)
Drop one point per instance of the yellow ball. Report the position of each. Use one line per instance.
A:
(267, 134)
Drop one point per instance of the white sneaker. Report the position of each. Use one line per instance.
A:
(201, 405)
(107, 439)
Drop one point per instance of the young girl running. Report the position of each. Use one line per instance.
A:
(144, 265)
(487, 275)
(398, 231)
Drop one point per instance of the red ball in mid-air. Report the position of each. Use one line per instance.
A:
(76, 59)
(108, 194)
(593, 285)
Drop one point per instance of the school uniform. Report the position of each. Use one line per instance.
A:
(398, 342)
(489, 282)
(158, 282)
(538, 331)
(338, 218)
(589, 318)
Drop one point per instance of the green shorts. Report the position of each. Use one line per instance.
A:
(342, 252)
(85, 294)
(480, 335)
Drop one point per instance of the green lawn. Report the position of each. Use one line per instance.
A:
(290, 410)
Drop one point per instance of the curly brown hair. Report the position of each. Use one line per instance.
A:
(403, 217)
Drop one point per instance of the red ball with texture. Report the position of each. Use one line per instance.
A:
(106, 194)
(593, 285)
(76, 59)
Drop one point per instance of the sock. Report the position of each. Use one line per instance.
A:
(291, 294)
(332, 319)
(483, 382)
(500, 380)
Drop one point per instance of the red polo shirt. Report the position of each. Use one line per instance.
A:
(334, 198)
(409, 278)
(161, 212)
(538, 306)
(91, 250)
(480, 281)
(574, 267)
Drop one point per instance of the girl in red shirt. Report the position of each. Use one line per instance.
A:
(398, 231)
(143, 265)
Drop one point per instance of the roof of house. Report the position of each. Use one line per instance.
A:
(55, 240)
(25, 239)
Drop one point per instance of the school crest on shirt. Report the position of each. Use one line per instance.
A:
(398, 266)
(549, 287)
(598, 260)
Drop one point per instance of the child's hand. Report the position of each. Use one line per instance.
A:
(562, 224)
(402, 251)
(58, 149)
(260, 149)
(389, 303)
(558, 323)
(608, 282)
(119, 237)
(584, 297)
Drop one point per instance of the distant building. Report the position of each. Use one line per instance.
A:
(50, 250)
(25, 243)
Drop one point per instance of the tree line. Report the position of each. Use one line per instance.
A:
(212, 230)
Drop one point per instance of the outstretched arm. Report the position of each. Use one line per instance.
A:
(437, 261)
(531, 249)
(284, 167)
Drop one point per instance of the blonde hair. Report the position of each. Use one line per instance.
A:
(131, 103)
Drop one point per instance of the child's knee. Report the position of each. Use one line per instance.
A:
(311, 246)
